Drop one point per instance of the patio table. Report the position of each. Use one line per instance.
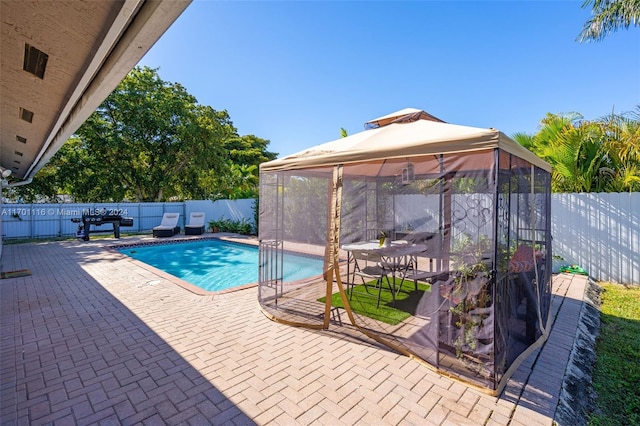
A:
(396, 258)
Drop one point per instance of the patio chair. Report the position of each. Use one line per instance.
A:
(404, 263)
(427, 238)
(168, 227)
(195, 225)
(428, 277)
(368, 266)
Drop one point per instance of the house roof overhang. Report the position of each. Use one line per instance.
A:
(82, 49)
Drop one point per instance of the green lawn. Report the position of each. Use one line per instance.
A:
(390, 312)
(616, 378)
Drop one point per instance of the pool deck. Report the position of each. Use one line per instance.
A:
(92, 337)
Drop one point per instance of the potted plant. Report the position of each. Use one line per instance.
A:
(215, 225)
(383, 240)
(470, 300)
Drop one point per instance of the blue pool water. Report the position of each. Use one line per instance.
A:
(216, 265)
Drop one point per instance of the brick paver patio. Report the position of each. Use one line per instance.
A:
(91, 337)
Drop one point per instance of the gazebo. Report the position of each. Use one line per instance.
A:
(455, 222)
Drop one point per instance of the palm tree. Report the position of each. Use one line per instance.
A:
(609, 16)
(574, 148)
(243, 181)
(622, 143)
(589, 156)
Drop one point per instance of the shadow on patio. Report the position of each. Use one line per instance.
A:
(73, 353)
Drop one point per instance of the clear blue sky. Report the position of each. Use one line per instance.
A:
(296, 72)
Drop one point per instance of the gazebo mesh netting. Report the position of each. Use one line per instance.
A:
(435, 239)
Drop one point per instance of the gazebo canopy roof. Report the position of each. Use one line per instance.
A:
(412, 113)
(403, 138)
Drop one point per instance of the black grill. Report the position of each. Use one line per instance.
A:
(98, 219)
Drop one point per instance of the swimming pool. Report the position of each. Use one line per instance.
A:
(216, 265)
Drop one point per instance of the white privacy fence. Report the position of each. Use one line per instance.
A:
(600, 232)
(54, 220)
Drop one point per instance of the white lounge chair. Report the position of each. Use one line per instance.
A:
(168, 227)
(195, 225)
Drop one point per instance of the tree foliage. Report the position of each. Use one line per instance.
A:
(609, 16)
(589, 156)
(151, 141)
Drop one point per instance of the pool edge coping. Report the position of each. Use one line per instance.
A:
(113, 248)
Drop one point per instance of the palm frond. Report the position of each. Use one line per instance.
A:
(609, 16)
